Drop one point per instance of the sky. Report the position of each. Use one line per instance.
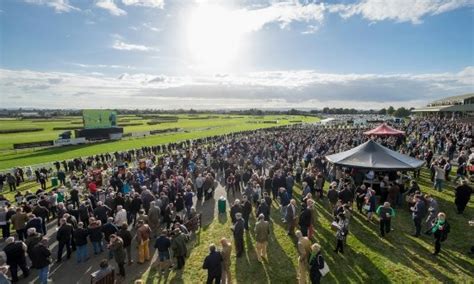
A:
(170, 54)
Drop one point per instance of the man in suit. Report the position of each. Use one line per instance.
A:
(291, 217)
(238, 230)
(262, 233)
(213, 264)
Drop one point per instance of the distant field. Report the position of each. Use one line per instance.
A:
(193, 126)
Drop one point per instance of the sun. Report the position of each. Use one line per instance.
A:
(213, 37)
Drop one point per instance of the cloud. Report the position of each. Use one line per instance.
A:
(145, 3)
(59, 6)
(282, 89)
(120, 45)
(111, 7)
(400, 10)
(102, 66)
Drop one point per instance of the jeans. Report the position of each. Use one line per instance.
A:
(384, 226)
(6, 230)
(81, 252)
(97, 247)
(43, 275)
(438, 185)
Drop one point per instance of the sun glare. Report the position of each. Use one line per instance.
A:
(213, 38)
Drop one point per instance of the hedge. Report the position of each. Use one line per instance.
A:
(20, 130)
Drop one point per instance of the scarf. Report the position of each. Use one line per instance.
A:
(438, 224)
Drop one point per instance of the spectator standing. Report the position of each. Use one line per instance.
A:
(213, 264)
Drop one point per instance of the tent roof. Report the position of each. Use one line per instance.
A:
(384, 129)
(372, 155)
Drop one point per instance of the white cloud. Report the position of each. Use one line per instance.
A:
(111, 7)
(282, 89)
(120, 45)
(59, 6)
(102, 66)
(399, 10)
(145, 3)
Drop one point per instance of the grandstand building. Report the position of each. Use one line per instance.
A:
(456, 106)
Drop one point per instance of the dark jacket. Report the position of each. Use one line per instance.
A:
(264, 209)
(64, 233)
(40, 256)
(15, 253)
(95, 233)
(126, 237)
(109, 229)
(101, 212)
(213, 264)
(305, 218)
(162, 243)
(35, 223)
(316, 263)
(239, 229)
(80, 236)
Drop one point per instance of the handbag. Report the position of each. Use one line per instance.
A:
(366, 207)
(324, 270)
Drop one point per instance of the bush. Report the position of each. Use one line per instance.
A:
(20, 130)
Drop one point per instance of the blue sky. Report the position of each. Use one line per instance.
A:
(227, 54)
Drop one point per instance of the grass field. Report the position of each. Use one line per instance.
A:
(191, 128)
(399, 258)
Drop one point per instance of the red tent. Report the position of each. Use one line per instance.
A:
(384, 129)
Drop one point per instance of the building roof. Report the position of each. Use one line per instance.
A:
(384, 130)
(452, 100)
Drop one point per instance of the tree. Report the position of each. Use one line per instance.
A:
(402, 112)
(382, 111)
(390, 110)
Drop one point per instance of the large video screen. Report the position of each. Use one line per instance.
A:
(96, 118)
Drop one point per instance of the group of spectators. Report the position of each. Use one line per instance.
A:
(151, 195)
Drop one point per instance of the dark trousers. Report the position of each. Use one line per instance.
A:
(6, 230)
(239, 246)
(417, 222)
(121, 266)
(61, 245)
(12, 186)
(384, 226)
(340, 245)
(304, 230)
(180, 261)
(21, 234)
(437, 245)
(199, 193)
(211, 279)
(14, 269)
(461, 207)
(43, 227)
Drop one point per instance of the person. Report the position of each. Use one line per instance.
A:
(291, 217)
(462, 195)
(262, 233)
(4, 222)
(32, 240)
(116, 246)
(360, 194)
(305, 220)
(120, 216)
(80, 238)
(439, 177)
(246, 211)
(371, 201)
(108, 229)
(332, 195)
(64, 237)
(440, 230)
(41, 259)
(163, 244)
(284, 202)
(126, 237)
(264, 208)
(95, 235)
(316, 262)
(238, 231)
(433, 210)
(3, 273)
(304, 251)
(226, 251)
(178, 245)
(104, 270)
(386, 213)
(19, 220)
(236, 208)
(15, 252)
(341, 233)
(213, 264)
(143, 239)
(418, 213)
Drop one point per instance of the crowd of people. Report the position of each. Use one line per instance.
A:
(150, 196)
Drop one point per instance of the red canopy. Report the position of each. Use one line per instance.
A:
(384, 129)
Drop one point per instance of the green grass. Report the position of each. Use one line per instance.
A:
(368, 258)
(192, 129)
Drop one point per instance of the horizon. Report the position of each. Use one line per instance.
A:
(234, 55)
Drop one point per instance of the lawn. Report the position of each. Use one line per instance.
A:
(191, 128)
(368, 258)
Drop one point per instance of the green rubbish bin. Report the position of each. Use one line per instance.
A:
(221, 205)
(54, 181)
